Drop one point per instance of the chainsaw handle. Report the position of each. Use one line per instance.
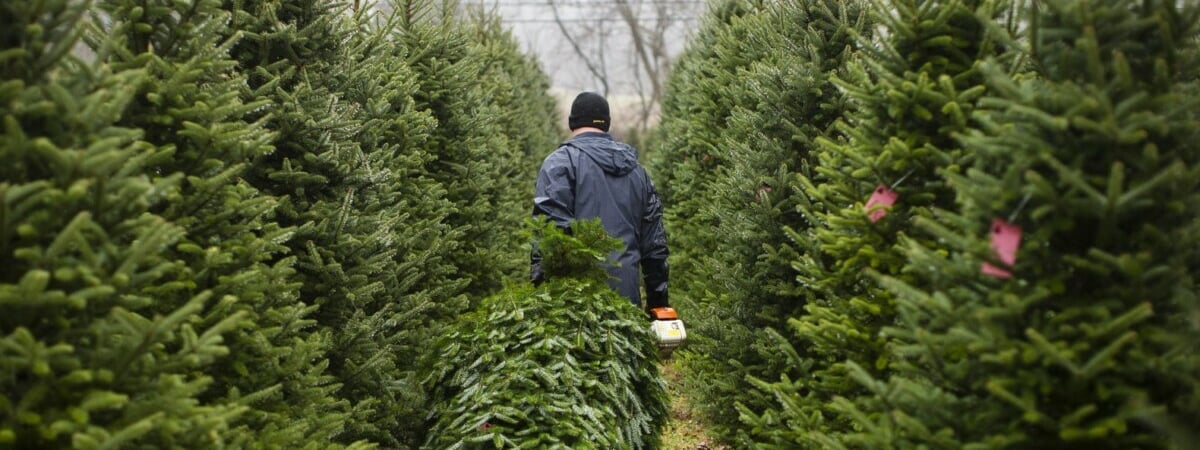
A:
(663, 313)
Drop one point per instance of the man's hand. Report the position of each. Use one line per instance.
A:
(656, 273)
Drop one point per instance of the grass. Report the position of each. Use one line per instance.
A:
(685, 431)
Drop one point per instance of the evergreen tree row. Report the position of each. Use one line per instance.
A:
(747, 102)
(237, 224)
(985, 237)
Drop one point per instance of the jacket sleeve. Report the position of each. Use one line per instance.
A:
(553, 197)
(654, 250)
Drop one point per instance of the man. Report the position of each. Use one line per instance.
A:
(593, 175)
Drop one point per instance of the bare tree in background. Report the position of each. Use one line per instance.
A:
(648, 23)
(649, 45)
(594, 60)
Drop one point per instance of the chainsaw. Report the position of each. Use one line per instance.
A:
(669, 330)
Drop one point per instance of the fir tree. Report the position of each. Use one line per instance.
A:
(691, 155)
(911, 89)
(782, 102)
(191, 108)
(693, 115)
(529, 118)
(493, 119)
(338, 195)
(1088, 338)
(421, 287)
(92, 355)
(475, 161)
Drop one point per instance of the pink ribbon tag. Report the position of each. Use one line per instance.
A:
(989, 269)
(1006, 238)
(882, 197)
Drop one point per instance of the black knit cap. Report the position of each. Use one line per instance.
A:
(589, 110)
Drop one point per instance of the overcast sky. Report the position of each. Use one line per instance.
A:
(532, 22)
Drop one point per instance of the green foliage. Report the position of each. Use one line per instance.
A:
(475, 161)
(699, 102)
(570, 364)
(240, 227)
(758, 95)
(580, 254)
(242, 223)
(517, 85)
(911, 89)
(397, 176)
(91, 355)
(528, 120)
(692, 119)
(786, 101)
(190, 107)
(1092, 343)
(340, 189)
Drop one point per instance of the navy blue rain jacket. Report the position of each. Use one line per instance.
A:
(593, 175)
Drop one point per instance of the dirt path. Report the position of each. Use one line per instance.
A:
(684, 431)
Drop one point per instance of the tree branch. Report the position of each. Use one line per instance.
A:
(597, 71)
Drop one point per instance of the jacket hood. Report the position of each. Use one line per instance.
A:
(615, 158)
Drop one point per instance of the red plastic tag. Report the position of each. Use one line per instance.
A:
(1006, 238)
(883, 197)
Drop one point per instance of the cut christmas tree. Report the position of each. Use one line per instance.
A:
(570, 364)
